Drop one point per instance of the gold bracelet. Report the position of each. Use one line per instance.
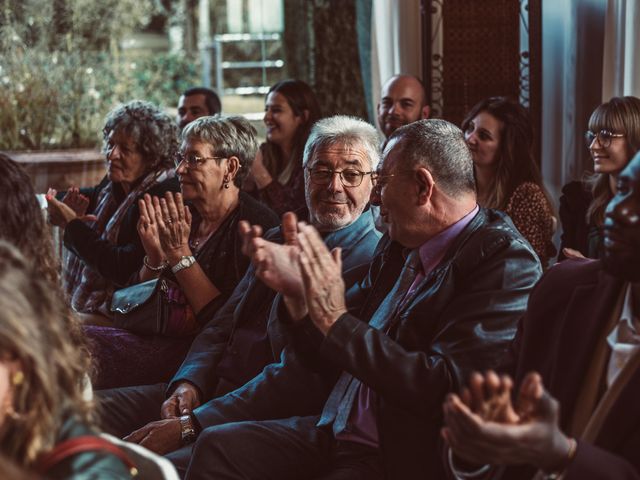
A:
(159, 268)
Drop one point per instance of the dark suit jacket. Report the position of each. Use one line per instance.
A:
(251, 302)
(463, 318)
(567, 314)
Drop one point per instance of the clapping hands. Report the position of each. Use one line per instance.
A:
(73, 205)
(482, 426)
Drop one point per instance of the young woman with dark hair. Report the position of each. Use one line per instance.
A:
(291, 109)
(500, 136)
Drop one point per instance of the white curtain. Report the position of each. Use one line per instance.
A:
(396, 41)
(621, 71)
(572, 50)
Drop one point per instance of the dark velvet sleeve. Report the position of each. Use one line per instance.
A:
(574, 203)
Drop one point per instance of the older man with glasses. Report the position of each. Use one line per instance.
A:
(239, 340)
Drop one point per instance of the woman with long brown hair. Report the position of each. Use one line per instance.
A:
(291, 109)
(500, 136)
(23, 224)
(613, 139)
(42, 401)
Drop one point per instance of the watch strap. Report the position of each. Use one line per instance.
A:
(184, 262)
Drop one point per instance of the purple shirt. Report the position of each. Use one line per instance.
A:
(362, 426)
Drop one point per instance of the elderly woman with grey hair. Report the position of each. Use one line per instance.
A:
(192, 239)
(140, 145)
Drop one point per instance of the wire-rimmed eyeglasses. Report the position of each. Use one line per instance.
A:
(192, 160)
(350, 177)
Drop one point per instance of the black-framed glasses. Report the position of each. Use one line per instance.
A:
(350, 177)
(604, 137)
(192, 160)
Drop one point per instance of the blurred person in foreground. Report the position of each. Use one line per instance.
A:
(576, 414)
(42, 400)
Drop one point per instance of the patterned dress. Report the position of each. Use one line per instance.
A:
(532, 216)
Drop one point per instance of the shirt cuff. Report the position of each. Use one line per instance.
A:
(463, 475)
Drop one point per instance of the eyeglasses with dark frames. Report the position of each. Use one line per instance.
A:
(605, 137)
(350, 177)
(193, 160)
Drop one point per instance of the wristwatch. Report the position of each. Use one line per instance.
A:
(187, 432)
(184, 262)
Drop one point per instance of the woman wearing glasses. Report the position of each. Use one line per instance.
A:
(277, 177)
(193, 240)
(613, 139)
(499, 134)
(140, 144)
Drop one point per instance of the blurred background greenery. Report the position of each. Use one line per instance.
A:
(63, 67)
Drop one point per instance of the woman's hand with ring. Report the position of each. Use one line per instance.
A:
(174, 225)
(148, 231)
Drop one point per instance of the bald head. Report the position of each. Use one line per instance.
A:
(402, 101)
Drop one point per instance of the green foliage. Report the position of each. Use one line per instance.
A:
(62, 69)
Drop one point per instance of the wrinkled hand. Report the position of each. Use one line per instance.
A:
(148, 230)
(322, 277)
(184, 399)
(161, 437)
(484, 428)
(276, 265)
(60, 213)
(74, 199)
(174, 225)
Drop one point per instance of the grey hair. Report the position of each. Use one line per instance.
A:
(154, 133)
(229, 136)
(349, 131)
(440, 147)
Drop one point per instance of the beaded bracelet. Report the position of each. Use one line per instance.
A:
(159, 268)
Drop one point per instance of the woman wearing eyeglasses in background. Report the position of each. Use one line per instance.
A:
(197, 245)
(613, 139)
(291, 109)
(500, 136)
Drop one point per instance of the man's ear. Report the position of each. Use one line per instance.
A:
(425, 183)
(305, 115)
(426, 111)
